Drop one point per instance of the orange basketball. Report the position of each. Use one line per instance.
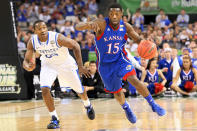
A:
(147, 49)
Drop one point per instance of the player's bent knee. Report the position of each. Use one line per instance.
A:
(45, 91)
(133, 80)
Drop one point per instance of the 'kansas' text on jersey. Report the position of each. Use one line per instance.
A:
(110, 45)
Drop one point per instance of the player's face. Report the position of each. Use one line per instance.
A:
(41, 29)
(115, 15)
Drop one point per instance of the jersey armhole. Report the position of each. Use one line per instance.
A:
(56, 35)
(32, 41)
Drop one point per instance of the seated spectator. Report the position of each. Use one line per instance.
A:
(32, 13)
(183, 19)
(79, 38)
(164, 22)
(188, 77)
(92, 7)
(167, 40)
(151, 78)
(128, 17)
(80, 4)
(93, 85)
(189, 30)
(174, 53)
(159, 16)
(175, 43)
(22, 16)
(138, 20)
(54, 28)
(83, 45)
(131, 46)
(158, 41)
(70, 11)
(183, 36)
(67, 29)
(165, 66)
(90, 45)
(60, 20)
(100, 16)
(45, 16)
(192, 45)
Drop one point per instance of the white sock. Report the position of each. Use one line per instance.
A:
(54, 113)
(86, 102)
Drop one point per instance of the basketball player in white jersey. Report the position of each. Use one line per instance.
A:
(56, 62)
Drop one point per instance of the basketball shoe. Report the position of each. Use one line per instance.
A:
(54, 123)
(90, 112)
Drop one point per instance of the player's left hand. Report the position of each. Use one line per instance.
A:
(84, 71)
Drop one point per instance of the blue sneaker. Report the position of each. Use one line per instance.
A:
(90, 112)
(159, 110)
(130, 115)
(54, 123)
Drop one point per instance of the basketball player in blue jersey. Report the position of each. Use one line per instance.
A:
(188, 76)
(151, 78)
(113, 64)
(56, 62)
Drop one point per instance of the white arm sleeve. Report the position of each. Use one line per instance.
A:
(132, 59)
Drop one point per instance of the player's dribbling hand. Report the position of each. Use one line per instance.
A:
(94, 26)
(29, 66)
(84, 71)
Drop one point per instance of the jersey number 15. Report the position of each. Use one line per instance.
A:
(115, 48)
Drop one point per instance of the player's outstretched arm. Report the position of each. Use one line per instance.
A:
(29, 62)
(131, 33)
(96, 25)
(71, 44)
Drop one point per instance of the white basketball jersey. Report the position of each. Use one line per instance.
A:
(50, 51)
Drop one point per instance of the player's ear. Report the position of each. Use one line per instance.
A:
(121, 13)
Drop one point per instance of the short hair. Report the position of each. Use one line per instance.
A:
(92, 62)
(161, 10)
(36, 22)
(115, 5)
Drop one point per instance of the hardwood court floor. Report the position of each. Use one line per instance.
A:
(33, 115)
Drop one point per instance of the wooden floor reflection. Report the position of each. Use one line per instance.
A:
(33, 115)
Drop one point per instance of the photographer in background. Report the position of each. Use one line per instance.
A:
(93, 85)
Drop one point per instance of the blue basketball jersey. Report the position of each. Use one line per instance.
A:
(110, 45)
(152, 78)
(187, 77)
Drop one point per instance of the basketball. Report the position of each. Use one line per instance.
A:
(147, 49)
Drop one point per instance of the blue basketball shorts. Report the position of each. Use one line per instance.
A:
(113, 73)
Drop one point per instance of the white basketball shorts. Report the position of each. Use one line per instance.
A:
(67, 75)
